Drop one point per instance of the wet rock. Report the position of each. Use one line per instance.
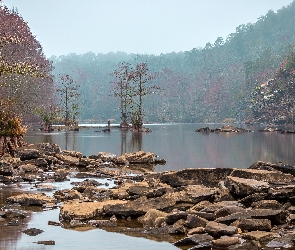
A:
(244, 187)
(33, 231)
(226, 241)
(31, 199)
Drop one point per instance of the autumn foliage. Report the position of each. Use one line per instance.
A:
(25, 73)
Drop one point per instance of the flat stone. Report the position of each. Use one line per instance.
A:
(85, 210)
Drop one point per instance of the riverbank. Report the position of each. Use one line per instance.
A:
(209, 208)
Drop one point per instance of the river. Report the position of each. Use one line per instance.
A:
(178, 144)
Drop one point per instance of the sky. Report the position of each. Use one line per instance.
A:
(136, 26)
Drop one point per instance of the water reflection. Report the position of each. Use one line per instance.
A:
(180, 145)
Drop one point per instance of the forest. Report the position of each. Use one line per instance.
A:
(241, 78)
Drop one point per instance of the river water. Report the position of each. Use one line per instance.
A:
(178, 144)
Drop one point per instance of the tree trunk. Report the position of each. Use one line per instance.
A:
(9, 144)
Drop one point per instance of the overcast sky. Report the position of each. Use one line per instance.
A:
(136, 26)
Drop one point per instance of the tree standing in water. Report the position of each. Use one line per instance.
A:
(131, 87)
(69, 99)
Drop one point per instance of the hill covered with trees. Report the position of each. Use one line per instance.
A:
(209, 84)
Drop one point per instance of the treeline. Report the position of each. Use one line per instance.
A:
(207, 84)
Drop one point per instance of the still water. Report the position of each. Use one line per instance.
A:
(178, 144)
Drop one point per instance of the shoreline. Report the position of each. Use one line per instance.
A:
(179, 207)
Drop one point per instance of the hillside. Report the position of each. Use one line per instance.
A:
(206, 84)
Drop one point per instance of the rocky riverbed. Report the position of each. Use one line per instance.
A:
(219, 208)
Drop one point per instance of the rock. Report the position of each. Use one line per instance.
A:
(224, 211)
(282, 167)
(283, 193)
(266, 204)
(61, 175)
(103, 223)
(149, 219)
(201, 240)
(139, 157)
(106, 157)
(277, 217)
(193, 221)
(177, 227)
(248, 200)
(209, 177)
(33, 231)
(173, 217)
(246, 245)
(28, 168)
(253, 224)
(260, 236)
(46, 242)
(263, 175)
(217, 229)
(28, 154)
(74, 194)
(31, 199)
(139, 206)
(75, 210)
(244, 187)
(226, 241)
(196, 230)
